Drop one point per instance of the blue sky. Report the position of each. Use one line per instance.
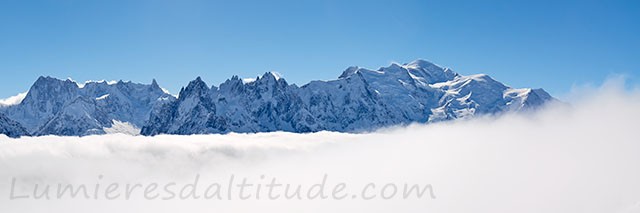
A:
(548, 44)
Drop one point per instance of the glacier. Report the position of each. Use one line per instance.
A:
(359, 100)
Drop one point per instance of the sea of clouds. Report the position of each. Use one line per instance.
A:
(578, 157)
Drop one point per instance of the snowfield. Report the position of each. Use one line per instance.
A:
(579, 158)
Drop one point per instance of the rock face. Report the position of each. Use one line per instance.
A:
(359, 100)
(63, 107)
(11, 128)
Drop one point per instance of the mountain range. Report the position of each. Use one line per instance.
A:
(64, 107)
(358, 100)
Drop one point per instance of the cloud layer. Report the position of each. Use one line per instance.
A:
(13, 100)
(579, 158)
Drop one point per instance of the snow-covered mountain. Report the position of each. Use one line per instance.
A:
(359, 100)
(64, 107)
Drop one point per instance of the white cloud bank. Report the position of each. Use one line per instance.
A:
(13, 100)
(583, 158)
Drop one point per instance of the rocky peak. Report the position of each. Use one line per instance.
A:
(154, 84)
(349, 71)
(196, 87)
(48, 87)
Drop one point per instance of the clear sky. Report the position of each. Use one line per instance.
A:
(548, 44)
